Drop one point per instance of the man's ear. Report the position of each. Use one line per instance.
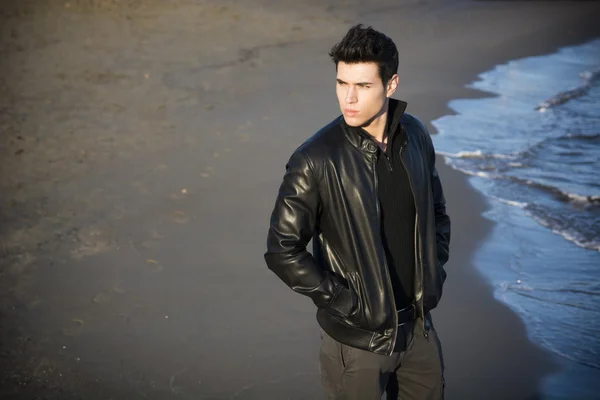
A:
(392, 85)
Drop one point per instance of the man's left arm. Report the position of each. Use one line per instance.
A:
(442, 220)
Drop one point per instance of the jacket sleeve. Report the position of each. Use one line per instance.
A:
(293, 223)
(442, 220)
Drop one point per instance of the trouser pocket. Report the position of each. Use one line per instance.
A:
(331, 366)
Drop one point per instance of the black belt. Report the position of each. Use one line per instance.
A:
(407, 314)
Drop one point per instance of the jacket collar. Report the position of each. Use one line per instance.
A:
(360, 139)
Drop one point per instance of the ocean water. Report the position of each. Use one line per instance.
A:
(533, 149)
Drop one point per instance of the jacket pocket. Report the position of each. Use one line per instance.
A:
(345, 301)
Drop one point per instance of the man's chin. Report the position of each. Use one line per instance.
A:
(354, 122)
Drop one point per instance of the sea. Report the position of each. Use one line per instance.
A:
(533, 149)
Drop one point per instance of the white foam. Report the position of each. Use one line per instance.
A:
(560, 98)
(577, 198)
(480, 174)
(590, 76)
(462, 154)
(473, 154)
(521, 287)
(572, 238)
(568, 235)
(510, 202)
(501, 156)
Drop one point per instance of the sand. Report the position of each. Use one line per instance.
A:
(142, 144)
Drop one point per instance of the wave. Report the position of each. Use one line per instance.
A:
(582, 201)
(574, 291)
(563, 97)
(480, 174)
(573, 198)
(527, 152)
(588, 78)
(475, 154)
(593, 245)
(581, 136)
(558, 194)
(510, 202)
(569, 235)
(568, 355)
(530, 294)
(576, 198)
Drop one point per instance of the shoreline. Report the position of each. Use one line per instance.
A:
(574, 378)
(129, 288)
(535, 362)
(547, 362)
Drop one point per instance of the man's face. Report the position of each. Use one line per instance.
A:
(361, 92)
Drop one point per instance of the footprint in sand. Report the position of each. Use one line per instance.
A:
(23, 298)
(154, 266)
(154, 239)
(140, 187)
(180, 194)
(93, 240)
(218, 154)
(106, 296)
(118, 212)
(116, 288)
(75, 328)
(247, 124)
(20, 264)
(209, 171)
(180, 217)
(101, 298)
(243, 137)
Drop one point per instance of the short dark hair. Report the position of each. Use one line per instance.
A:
(367, 45)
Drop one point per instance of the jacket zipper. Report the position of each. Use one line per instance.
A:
(417, 253)
(387, 272)
(389, 162)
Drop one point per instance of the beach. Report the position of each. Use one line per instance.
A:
(142, 147)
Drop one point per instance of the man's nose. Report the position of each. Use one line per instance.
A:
(351, 95)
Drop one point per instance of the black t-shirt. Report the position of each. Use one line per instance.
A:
(397, 217)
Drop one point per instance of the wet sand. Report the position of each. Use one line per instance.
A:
(142, 146)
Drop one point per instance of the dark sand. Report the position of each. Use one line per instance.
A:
(142, 146)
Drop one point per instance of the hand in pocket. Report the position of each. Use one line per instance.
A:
(345, 303)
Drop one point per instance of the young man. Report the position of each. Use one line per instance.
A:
(366, 190)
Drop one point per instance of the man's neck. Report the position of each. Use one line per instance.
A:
(376, 127)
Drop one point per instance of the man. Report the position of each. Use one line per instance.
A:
(366, 190)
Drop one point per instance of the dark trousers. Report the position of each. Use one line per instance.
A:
(414, 372)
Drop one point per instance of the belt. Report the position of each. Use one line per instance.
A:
(407, 314)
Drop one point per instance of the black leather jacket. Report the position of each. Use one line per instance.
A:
(329, 194)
